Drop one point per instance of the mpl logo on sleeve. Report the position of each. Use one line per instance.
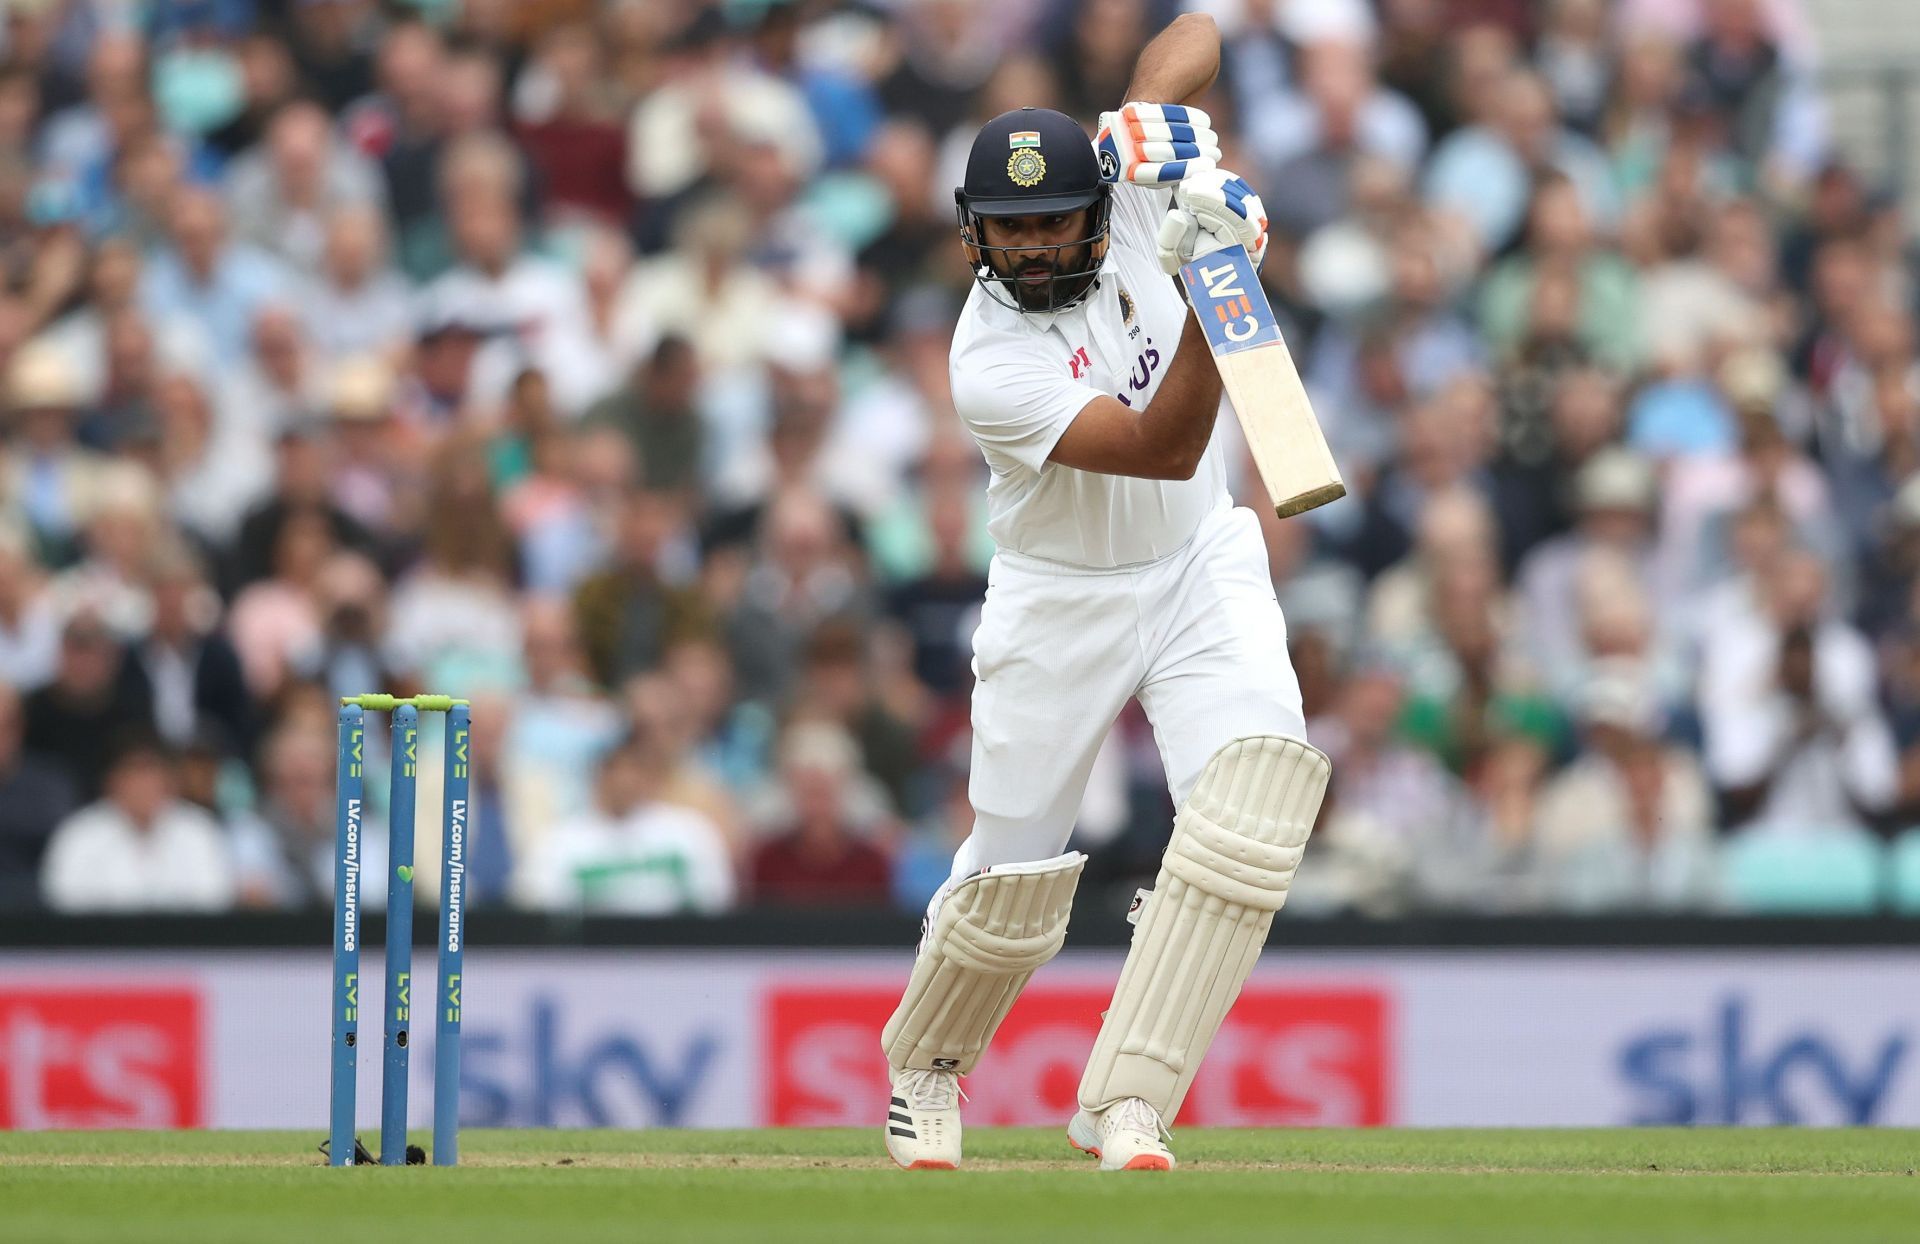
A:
(1287, 1056)
(101, 1057)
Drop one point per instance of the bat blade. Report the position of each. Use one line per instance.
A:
(1257, 369)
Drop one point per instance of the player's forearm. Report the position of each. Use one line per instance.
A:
(1177, 424)
(1164, 440)
(1180, 63)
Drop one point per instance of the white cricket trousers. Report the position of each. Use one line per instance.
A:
(1197, 636)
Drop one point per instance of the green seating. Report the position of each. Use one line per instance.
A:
(1903, 873)
(1825, 870)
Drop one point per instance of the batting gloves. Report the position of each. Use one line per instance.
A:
(1212, 210)
(1156, 144)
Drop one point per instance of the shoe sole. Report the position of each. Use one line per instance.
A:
(1140, 1162)
(1148, 1162)
(930, 1164)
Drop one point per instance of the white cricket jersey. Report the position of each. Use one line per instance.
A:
(1019, 379)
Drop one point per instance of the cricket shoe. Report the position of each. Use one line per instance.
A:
(1126, 1136)
(923, 1120)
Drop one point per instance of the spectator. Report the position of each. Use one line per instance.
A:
(1718, 292)
(1401, 832)
(29, 624)
(1559, 241)
(212, 470)
(940, 609)
(358, 408)
(1408, 345)
(279, 382)
(51, 479)
(1794, 736)
(1703, 490)
(1615, 491)
(912, 250)
(803, 573)
(861, 688)
(1419, 60)
(35, 796)
(655, 705)
(1575, 60)
(1444, 445)
(352, 601)
(1763, 98)
(331, 42)
(1535, 490)
(95, 694)
(303, 479)
(535, 310)
(122, 417)
(1483, 173)
(656, 411)
(1097, 59)
(268, 82)
(376, 462)
(702, 289)
(1628, 825)
(401, 124)
(561, 723)
(731, 736)
(1455, 541)
(108, 580)
(1474, 702)
(707, 93)
(1307, 143)
(193, 671)
(924, 860)
(205, 278)
(631, 611)
(110, 374)
(79, 140)
(282, 192)
(631, 852)
(358, 305)
(275, 621)
(569, 129)
(140, 848)
(566, 540)
(454, 611)
(819, 859)
(463, 156)
(941, 58)
(802, 394)
(284, 854)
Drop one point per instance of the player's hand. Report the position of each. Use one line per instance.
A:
(1156, 144)
(1212, 210)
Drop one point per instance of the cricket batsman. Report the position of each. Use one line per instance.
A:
(1124, 570)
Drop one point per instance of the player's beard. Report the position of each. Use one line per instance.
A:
(1057, 284)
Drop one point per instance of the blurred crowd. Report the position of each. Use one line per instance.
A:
(587, 358)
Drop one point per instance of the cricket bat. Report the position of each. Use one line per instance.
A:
(1257, 369)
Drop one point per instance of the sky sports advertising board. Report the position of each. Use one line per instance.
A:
(729, 1039)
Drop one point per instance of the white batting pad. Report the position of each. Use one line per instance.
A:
(990, 933)
(1236, 844)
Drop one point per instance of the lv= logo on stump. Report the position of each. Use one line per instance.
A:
(343, 1147)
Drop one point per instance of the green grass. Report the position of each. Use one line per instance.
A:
(533, 1187)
